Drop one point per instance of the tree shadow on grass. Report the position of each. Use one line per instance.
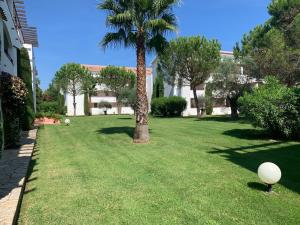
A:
(285, 155)
(117, 130)
(223, 119)
(248, 134)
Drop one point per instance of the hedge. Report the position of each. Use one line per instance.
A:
(25, 73)
(168, 106)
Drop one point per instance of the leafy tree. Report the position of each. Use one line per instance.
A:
(209, 104)
(141, 24)
(158, 86)
(128, 97)
(53, 96)
(191, 60)
(24, 72)
(228, 83)
(273, 48)
(116, 79)
(70, 79)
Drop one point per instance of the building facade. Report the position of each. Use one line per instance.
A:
(15, 34)
(102, 94)
(184, 90)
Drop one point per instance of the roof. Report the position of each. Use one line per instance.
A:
(29, 33)
(98, 68)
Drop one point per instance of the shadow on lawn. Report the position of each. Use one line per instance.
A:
(117, 130)
(223, 119)
(248, 134)
(287, 157)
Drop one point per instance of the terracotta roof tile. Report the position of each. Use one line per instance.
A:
(97, 68)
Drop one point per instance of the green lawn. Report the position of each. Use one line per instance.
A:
(192, 172)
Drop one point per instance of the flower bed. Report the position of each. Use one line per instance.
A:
(47, 121)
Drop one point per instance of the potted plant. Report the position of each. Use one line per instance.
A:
(105, 106)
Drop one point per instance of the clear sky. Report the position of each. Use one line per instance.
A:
(70, 30)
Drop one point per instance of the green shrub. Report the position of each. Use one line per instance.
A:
(274, 107)
(168, 106)
(52, 107)
(14, 93)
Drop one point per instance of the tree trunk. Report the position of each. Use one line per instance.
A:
(141, 133)
(233, 107)
(74, 104)
(196, 102)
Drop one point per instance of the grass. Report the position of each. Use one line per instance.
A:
(192, 172)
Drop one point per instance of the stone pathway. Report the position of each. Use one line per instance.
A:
(13, 170)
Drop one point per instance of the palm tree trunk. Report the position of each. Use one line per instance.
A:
(141, 133)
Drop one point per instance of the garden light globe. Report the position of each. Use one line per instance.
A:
(67, 122)
(269, 173)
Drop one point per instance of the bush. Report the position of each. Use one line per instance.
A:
(209, 108)
(168, 106)
(52, 107)
(274, 107)
(14, 93)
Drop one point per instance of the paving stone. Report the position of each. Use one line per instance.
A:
(13, 170)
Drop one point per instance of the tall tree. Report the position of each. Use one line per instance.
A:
(230, 84)
(70, 79)
(158, 86)
(116, 79)
(141, 24)
(274, 47)
(191, 60)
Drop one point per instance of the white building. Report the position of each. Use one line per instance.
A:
(14, 34)
(103, 95)
(184, 90)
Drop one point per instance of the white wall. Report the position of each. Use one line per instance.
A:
(79, 105)
(6, 65)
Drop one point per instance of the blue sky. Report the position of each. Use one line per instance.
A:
(70, 30)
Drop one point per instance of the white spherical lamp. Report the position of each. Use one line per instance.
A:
(269, 173)
(67, 122)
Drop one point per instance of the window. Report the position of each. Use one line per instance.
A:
(200, 87)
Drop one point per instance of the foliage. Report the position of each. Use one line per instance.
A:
(105, 105)
(72, 78)
(274, 107)
(168, 106)
(14, 93)
(52, 115)
(86, 105)
(142, 24)
(209, 104)
(51, 107)
(39, 95)
(158, 86)
(128, 97)
(25, 73)
(190, 60)
(55, 98)
(117, 79)
(274, 48)
(228, 83)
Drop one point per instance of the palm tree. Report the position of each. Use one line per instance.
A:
(141, 24)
